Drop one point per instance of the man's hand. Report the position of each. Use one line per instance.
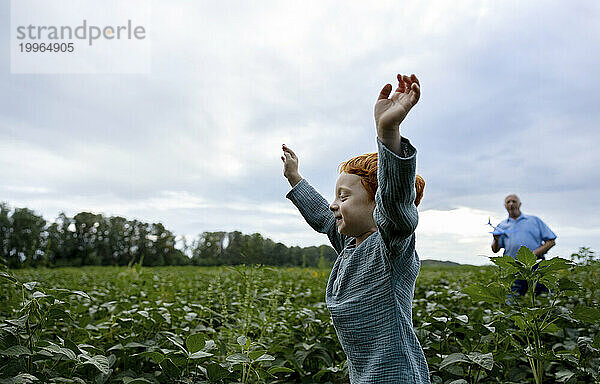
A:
(290, 166)
(496, 243)
(542, 249)
(391, 111)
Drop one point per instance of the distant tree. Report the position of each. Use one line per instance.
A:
(92, 239)
(86, 232)
(280, 255)
(253, 249)
(5, 230)
(232, 253)
(143, 243)
(25, 243)
(164, 246)
(118, 240)
(206, 250)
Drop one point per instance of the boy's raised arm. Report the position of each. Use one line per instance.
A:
(312, 206)
(395, 211)
(391, 111)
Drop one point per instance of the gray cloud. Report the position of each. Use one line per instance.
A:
(509, 105)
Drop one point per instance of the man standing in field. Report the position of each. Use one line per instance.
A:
(522, 230)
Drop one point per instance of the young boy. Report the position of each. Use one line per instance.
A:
(371, 225)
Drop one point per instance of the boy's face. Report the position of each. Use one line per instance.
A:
(353, 207)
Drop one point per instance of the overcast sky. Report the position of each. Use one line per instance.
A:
(509, 105)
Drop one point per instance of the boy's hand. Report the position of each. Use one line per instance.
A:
(389, 112)
(290, 166)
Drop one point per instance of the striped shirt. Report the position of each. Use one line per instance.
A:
(371, 287)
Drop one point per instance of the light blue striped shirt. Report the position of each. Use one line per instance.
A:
(371, 287)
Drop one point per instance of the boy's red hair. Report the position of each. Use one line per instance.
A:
(365, 166)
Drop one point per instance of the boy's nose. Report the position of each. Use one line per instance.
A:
(333, 207)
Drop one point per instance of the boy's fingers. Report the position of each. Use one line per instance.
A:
(413, 77)
(416, 91)
(407, 83)
(385, 92)
(287, 150)
(400, 84)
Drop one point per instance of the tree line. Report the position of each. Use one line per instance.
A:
(28, 240)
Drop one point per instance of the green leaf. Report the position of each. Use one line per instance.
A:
(157, 357)
(98, 361)
(507, 264)
(519, 320)
(216, 372)
(454, 358)
(8, 277)
(195, 342)
(199, 355)
(565, 284)
(238, 358)
(265, 357)
(564, 376)
(177, 343)
(525, 256)
(274, 370)
(586, 314)
(38, 294)
(21, 378)
(57, 313)
(504, 261)
(134, 344)
(554, 264)
(170, 368)
(21, 322)
(30, 285)
(210, 344)
(116, 347)
(242, 340)
(131, 380)
(15, 350)
(492, 293)
(551, 328)
(54, 350)
(82, 294)
(319, 374)
(255, 354)
(484, 360)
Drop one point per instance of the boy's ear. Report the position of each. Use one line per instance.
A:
(420, 187)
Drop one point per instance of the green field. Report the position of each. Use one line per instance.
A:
(265, 324)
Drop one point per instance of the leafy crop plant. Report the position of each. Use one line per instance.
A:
(531, 320)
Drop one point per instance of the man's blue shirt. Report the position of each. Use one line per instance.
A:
(527, 230)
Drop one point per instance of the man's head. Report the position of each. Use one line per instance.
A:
(355, 195)
(512, 203)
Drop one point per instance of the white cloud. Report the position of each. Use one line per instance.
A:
(462, 221)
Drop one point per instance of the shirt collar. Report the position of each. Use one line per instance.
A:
(521, 217)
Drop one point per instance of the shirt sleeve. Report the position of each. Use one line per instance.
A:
(501, 241)
(545, 232)
(395, 212)
(500, 228)
(315, 210)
